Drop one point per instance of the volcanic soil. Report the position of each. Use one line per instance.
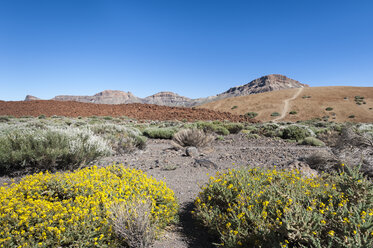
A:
(136, 110)
(309, 103)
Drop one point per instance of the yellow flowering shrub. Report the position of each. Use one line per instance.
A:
(72, 209)
(276, 208)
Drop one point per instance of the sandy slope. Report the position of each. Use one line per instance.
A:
(286, 107)
(340, 98)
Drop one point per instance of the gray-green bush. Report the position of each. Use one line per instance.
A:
(51, 148)
(295, 133)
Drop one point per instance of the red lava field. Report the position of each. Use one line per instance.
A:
(135, 110)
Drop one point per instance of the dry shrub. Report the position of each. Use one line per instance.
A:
(191, 137)
(322, 161)
(132, 222)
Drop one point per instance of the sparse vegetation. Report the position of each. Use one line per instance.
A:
(304, 97)
(329, 109)
(251, 114)
(293, 112)
(351, 116)
(275, 114)
(234, 107)
(271, 208)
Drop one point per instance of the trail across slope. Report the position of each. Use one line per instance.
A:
(311, 103)
(286, 105)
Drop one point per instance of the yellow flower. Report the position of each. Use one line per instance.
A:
(331, 233)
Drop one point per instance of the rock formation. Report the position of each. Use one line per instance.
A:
(31, 98)
(267, 83)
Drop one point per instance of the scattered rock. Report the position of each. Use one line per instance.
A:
(303, 168)
(204, 163)
(192, 151)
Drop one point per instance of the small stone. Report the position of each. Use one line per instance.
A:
(204, 163)
(192, 151)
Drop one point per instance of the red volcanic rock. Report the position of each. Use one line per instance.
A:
(135, 110)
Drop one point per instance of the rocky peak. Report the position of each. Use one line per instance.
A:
(167, 98)
(263, 84)
(114, 93)
(31, 98)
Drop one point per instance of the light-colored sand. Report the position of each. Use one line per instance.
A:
(340, 98)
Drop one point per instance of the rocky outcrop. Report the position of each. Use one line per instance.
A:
(260, 85)
(264, 84)
(168, 99)
(105, 97)
(31, 98)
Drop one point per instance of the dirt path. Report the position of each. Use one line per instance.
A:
(181, 175)
(286, 105)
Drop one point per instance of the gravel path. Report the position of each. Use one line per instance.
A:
(286, 105)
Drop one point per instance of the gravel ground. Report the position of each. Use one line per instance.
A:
(185, 178)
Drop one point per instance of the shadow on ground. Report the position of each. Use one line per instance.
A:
(198, 237)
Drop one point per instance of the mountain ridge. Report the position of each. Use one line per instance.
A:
(266, 83)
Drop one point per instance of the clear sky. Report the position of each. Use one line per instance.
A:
(195, 48)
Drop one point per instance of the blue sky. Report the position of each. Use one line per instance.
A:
(194, 48)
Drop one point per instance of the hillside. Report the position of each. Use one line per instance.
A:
(135, 110)
(310, 103)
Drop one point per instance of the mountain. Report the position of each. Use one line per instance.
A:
(168, 99)
(264, 84)
(31, 98)
(104, 97)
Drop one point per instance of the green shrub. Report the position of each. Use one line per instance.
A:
(252, 136)
(212, 127)
(4, 119)
(351, 116)
(275, 114)
(329, 109)
(160, 133)
(312, 141)
(77, 209)
(251, 114)
(270, 208)
(50, 148)
(306, 97)
(293, 112)
(295, 133)
(233, 127)
(269, 130)
(42, 117)
(234, 107)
